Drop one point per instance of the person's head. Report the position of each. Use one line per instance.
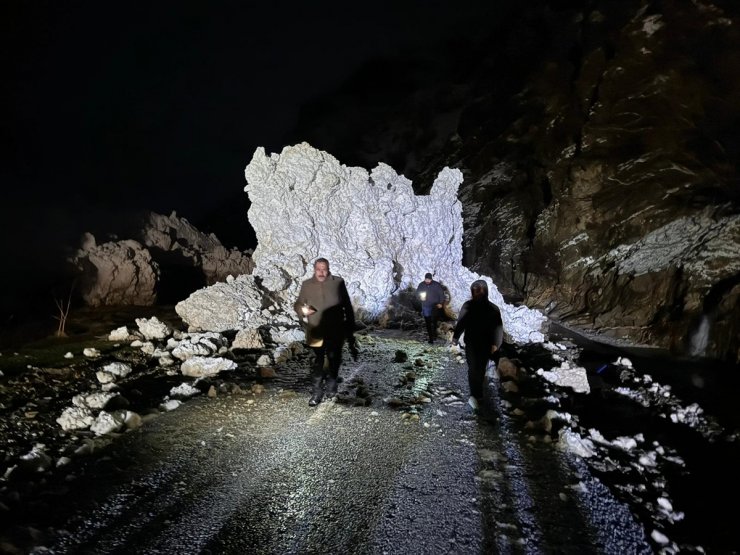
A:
(321, 269)
(479, 289)
(428, 277)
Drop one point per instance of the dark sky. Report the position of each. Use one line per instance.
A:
(113, 106)
(109, 108)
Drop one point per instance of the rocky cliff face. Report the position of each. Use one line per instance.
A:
(599, 146)
(167, 261)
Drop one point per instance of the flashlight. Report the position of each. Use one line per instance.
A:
(305, 309)
(423, 295)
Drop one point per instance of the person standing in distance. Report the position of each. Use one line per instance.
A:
(480, 322)
(432, 298)
(325, 309)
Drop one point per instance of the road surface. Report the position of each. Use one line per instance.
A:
(266, 473)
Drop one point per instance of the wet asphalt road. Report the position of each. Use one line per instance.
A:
(268, 474)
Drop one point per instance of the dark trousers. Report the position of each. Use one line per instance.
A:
(431, 322)
(477, 360)
(331, 354)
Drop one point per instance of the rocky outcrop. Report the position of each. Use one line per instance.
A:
(179, 243)
(599, 151)
(380, 236)
(615, 207)
(237, 304)
(116, 273)
(174, 260)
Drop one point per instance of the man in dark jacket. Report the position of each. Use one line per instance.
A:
(480, 321)
(432, 297)
(324, 307)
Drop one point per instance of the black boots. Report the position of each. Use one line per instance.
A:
(317, 392)
(331, 388)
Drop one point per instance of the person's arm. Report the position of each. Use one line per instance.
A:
(349, 312)
(498, 336)
(498, 330)
(349, 319)
(303, 302)
(460, 325)
(440, 296)
(422, 294)
(300, 300)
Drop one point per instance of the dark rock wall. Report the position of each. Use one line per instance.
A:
(632, 179)
(599, 144)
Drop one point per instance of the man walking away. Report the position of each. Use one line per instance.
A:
(480, 322)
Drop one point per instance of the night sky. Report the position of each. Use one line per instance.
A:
(160, 106)
(113, 107)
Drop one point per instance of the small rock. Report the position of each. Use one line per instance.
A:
(510, 387)
(264, 360)
(132, 420)
(170, 405)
